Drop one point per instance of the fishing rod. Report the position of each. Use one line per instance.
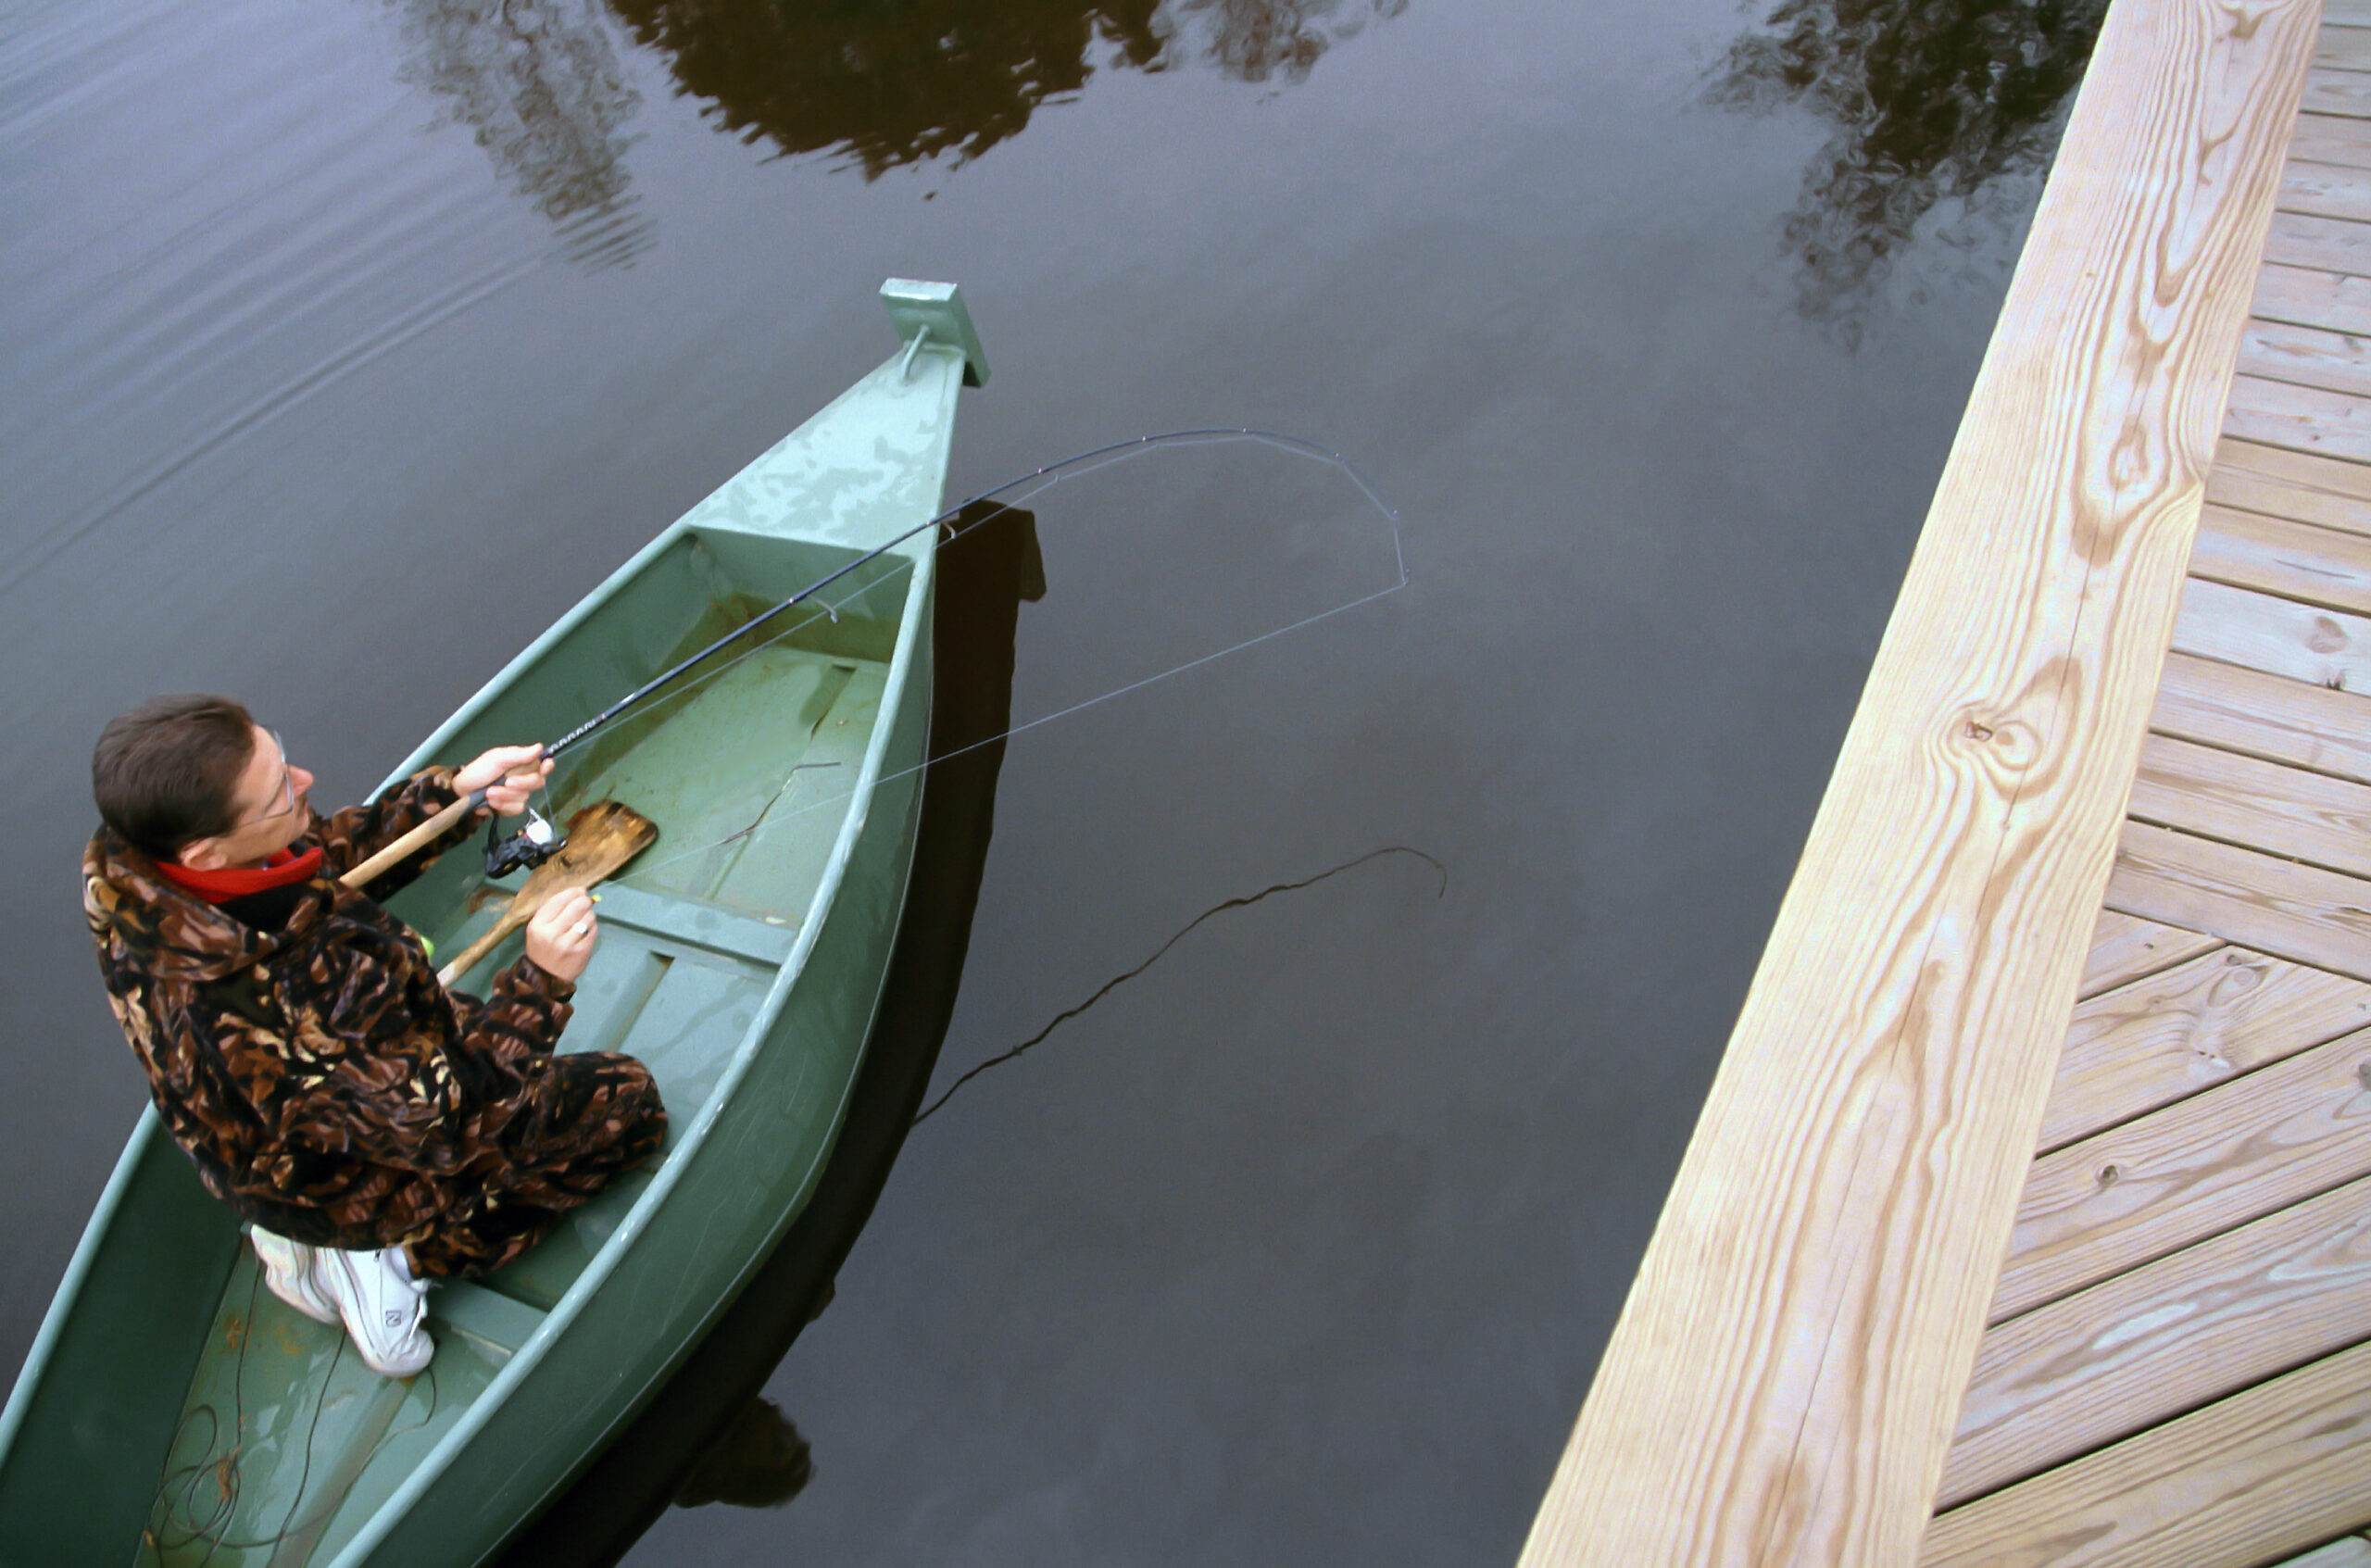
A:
(538, 841)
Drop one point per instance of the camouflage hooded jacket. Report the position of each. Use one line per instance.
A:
(328, 1088)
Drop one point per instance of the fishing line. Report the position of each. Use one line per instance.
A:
(999, 501)
(1051, 474)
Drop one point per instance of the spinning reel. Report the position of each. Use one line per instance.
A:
(535, 842)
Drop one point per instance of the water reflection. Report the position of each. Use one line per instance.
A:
(1938, 110)
(539, 84)
(885, 85)
(761, 1461)
(880, 83)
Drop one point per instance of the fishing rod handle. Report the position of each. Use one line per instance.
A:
(403, 849)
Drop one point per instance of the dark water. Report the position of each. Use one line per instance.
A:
(346, 342)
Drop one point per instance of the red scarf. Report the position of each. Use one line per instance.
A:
(237, 882)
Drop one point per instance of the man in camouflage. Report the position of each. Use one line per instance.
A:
(375, 1130)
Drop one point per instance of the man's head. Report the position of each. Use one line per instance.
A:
(195, 779)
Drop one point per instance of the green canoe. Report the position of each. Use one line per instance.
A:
(172, 1411)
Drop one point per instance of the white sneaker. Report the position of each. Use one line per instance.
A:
(288, 1270)
(381, 1304)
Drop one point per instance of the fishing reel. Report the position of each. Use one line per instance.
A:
(535, 842)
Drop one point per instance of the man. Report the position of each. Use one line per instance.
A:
(374, 1130)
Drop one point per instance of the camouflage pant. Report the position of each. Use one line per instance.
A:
(597, 1117)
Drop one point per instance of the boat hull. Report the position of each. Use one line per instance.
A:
(172, 1411)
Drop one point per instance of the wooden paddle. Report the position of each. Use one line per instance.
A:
(601, 837)
(402, 848)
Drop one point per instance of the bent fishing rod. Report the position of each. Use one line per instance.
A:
(538, 842)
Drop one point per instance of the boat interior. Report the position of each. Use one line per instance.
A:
(282, 1441)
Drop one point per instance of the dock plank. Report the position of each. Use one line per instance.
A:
(2286, 811)
(2338, 92)
(2343, 45)
(2313, 296)
(2329, 245)
(2137, 1192)
(2292, 560)
(2313, 917)
(2325, 138)
(2302, 486)
(2126, 947)
(2327, 647)
(2147, 1345)
(2329, 190)
(2275, 1468)
(2307, 356)
(2269, 716)
(2304, 419)
(2165, 1036)
(1781, 1383)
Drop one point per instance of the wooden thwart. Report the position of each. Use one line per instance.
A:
(2275, 1468)
(1780, 1387)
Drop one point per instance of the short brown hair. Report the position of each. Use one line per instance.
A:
(164, 773)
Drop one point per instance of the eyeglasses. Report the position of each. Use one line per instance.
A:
(287, 783)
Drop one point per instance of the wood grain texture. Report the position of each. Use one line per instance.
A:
(1781, 1384)
(2313, 296)
(2344, 45)
(2325, 647)
(2168, 1035)
(2308, 356)
(2330, 244)
(2293, 561)
(2261, 901)
(2276, 1469)
(2286, 811)
(2303, 486)
(2321, 138)
(2134, 1193)
(2269, 716)
(2304, 419)
(2146, 1346)
(2126, 947)
(2337, 92)
(2325, 189)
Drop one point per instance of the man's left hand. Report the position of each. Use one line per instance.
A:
(509, 775)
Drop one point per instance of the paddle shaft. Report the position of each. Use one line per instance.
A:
(393, 854)
(513, 919)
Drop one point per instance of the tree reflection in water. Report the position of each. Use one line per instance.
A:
(539, 84)
(889, 82)
(881, 83)
(1940, 112)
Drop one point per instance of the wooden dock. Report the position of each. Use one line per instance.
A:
(2030, 1218)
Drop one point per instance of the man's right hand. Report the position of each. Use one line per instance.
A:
(560, 935)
